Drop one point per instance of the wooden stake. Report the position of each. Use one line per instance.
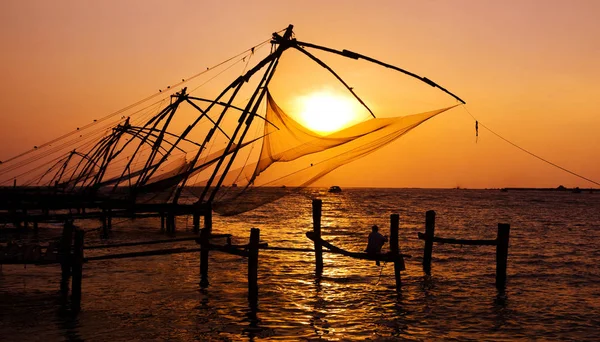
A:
(253, 265)
(394, 249)
(316, 212)
(77, 270)
(429, 234)
(502, 255)
(65, 257)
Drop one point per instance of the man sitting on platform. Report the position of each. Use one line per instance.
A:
(376, 241)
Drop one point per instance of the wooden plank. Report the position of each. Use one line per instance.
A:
(142, 254)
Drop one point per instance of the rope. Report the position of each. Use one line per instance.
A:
(528, 152)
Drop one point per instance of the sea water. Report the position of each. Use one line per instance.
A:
(552, 293)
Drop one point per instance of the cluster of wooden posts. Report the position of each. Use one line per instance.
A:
(71, 264)
(501, 243)
(71, 256)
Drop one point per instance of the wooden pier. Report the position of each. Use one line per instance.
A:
(69, 252)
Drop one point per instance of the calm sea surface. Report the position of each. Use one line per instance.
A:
(553, 288)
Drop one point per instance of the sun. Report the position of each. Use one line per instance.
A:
(325, 112)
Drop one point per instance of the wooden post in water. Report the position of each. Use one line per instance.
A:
(77, 262)
(429, 233)
(204, 244)
(25, 220)
(196, 228)
(65, 257)
(171, 222)
(162, 222)
(109, 219)
(253, 265)
(502, 255)
(394, 249)
(104, 224)
(317, 204)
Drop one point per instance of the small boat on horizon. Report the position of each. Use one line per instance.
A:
(335, 189)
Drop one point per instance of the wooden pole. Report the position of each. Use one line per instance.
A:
(25, 220)
(502, 255)
(104, 224)
(109, 219)
(196, 229)
(162, 222)
(317, 204)
(171, 222)
(65, 257)
(204, 243)
(253, 265)
(77, 270)
(429, 233)
(394, 249)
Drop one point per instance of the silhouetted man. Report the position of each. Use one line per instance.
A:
(376, 241)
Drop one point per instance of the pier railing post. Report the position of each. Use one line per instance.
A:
(77, 270)
(394, 248)
(253, 265)
(65, 257)
(429, 233)
(317, 205)
(204, 244)
(502, 255)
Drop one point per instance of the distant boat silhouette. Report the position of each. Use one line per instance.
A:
(335, 189)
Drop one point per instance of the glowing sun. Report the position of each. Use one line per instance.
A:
(325, 112)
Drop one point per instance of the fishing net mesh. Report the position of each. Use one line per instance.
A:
(293, 157)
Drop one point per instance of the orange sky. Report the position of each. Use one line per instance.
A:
(527, 69)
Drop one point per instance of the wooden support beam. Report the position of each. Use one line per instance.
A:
(151, 242)
(142, 254)
(77, 262)
(317, 205)
(429, 234)
(460, 241)
(253, 265)
(502, 255)
(395, 250)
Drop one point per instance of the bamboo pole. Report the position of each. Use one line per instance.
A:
(502, 255)
(253, 248)
(77, 270)
(394, 249)
(316, 212)
(429, 233)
